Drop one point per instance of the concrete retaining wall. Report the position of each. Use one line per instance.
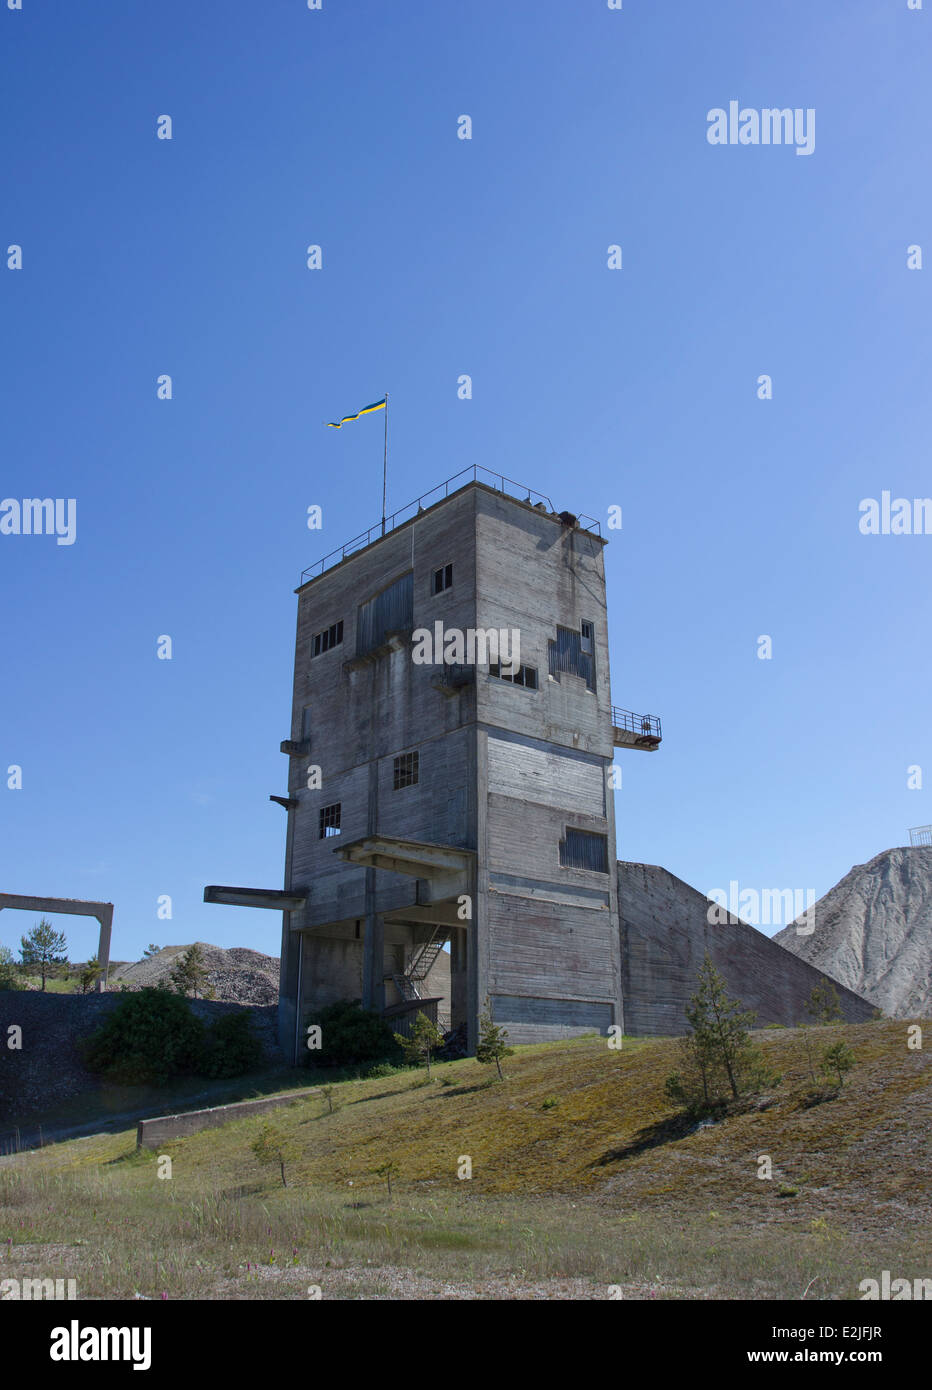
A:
(151, 1133)
(665, 933)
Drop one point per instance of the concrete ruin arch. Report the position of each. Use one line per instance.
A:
(75, 907)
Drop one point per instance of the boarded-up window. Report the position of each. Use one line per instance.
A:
(569, 653)
(582, 849)
(390, 611)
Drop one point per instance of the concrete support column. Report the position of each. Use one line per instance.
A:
(373, 951)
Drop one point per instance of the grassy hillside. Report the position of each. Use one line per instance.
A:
(604, 1187)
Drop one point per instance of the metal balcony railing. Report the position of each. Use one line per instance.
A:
(645, 725)
(921, 835)
(475, 474)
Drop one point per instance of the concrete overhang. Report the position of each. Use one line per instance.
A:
(432, 913)
(445, 870)
(278, 899)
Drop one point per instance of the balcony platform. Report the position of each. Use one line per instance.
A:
(630, 730)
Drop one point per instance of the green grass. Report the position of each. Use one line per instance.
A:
(602, 1189)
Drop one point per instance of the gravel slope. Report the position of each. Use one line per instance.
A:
(873, 932)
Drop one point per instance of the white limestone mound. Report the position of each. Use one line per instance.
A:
(873, 932)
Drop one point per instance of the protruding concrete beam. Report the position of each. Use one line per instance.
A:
(443, 871)
(74, 907)
(278, 899)
(415, 857)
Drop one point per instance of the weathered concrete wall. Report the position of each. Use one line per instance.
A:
(665, 934)
(151, 1133)
(549, 948)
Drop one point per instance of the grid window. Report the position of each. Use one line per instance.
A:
(582, 849)
(525, 675)
(406, 771)
(330, 637)
(442, 579)
(587, 632)
(330, 820)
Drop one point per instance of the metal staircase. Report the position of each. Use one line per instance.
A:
(411, 983)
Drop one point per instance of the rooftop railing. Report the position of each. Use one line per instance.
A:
(497, 481)
(921, 835)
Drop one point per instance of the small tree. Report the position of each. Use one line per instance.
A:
(492, 1045)
(387, 1170)
(274, 1147)
(837, 1060)
(721, 1026)
(151, 950)
(690, 1084)
(44, 948)
(718, 1056)
(822, 1007)
(89, 974)
(425, 1038)
(189, 973)
(327, 1093)
(9, 975)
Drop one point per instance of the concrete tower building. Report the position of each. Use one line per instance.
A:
(442, 793)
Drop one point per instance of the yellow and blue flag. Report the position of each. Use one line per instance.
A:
(366, 410)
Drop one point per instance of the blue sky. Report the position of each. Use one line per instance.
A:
(441, 257)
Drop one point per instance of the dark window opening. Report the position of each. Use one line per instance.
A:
(330, 637)
(582, 849)
(330, 820)
(441, 579)
(406, 771)
(525, 675)
(390, 611)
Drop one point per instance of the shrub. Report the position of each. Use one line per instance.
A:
(150, 1036)
(349, 1033)
(381, 1069)
(230, 1047)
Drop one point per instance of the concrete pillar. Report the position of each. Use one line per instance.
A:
(373, 955)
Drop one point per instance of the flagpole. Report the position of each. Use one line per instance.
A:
(385, 465)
